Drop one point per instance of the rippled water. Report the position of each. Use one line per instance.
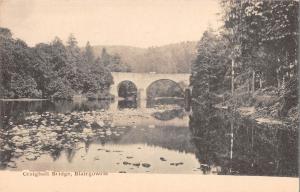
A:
(121, 137)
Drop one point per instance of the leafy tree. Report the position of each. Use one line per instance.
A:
(210, 67)
(24, 86)
(113, 62)
(49, 70)
(265, 34)
(176, 58)
(263, 37)
(260, 41)
(89, 54)
(16, 67)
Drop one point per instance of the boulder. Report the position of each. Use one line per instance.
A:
(100, 123)
(147, 165)
(31, 156)
(12, 165)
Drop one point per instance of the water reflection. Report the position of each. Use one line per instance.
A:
(256, 150)
(66, 131)
(167, 115)
(87, 136)
(154, 102)
(127, 103)
(17, 110)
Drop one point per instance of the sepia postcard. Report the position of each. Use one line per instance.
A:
(149, 95)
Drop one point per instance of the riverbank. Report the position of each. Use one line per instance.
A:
(255, 113)
(265, 106)
(24, 99)
(74, 98)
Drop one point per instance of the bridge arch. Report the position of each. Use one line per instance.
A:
(143, 80)
(164, 83)
(126, 89)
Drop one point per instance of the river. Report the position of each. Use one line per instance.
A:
(120, 137)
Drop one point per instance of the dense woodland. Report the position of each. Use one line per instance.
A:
(60, 71)
(176, 58)
(252, 60)
(54, 70)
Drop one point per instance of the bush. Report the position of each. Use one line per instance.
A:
(59, 89)
(24, 86)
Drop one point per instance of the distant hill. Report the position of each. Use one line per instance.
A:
(172, 58)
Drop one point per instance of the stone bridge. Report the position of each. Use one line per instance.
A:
(143, 80)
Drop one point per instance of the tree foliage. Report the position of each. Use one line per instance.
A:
(260, 39)
(264, 37)
(51, 70)
(176, 58)
(209, 70)
(113, 62)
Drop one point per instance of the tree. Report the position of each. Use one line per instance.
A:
(76, 63)
(48, 70)
(16, 67)
(113, 62)
(105, 58)
(89, 54)
(266, 35)
(210, 67)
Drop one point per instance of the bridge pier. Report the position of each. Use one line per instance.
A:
(142, 99)
(114, 90)
(114, 105)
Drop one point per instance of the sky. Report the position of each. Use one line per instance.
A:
(139, 23)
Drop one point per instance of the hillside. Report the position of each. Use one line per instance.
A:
(172, 58)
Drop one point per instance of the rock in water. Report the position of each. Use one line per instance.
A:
(146, 165)
(100, 123)
(12, 165)
(31, 157)
(151, 126)
(94, 125)
(136, 164)
(126, 163)
(108, 133)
